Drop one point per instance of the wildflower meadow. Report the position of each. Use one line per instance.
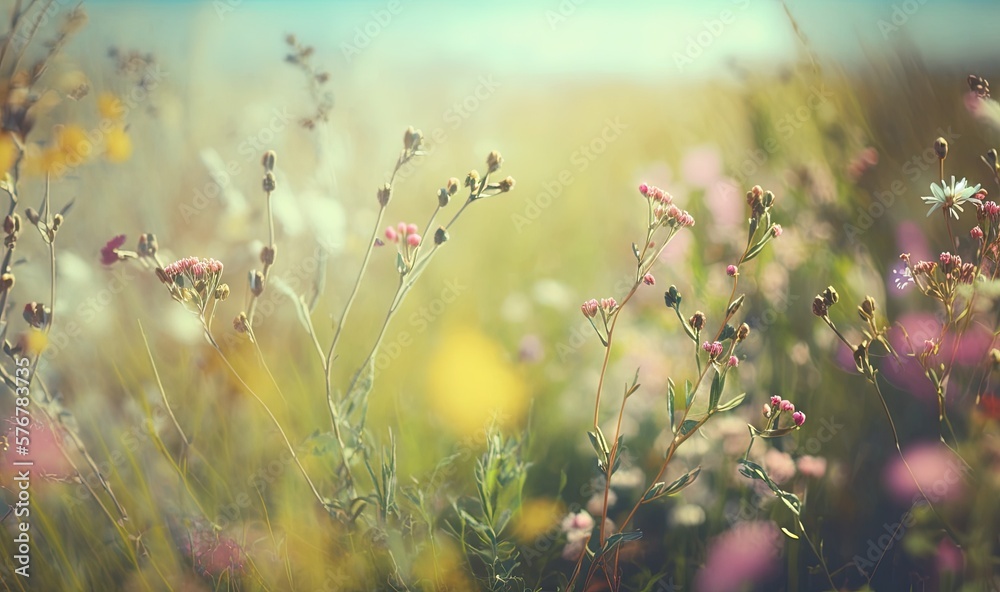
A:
(562, 296)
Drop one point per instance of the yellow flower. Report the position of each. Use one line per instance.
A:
(536, 518)
(110, 107)
(8, 153)
(471, 383)
(117, 145)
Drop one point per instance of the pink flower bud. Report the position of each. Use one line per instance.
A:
(648, 279)
(766, 410)
(733, 361)
(413, 240)
(411, 229)
(589, 308)
(787, 405)
(776, 230)
(976, 233)
(644, 190)
(391, 235)
(775, 401)
(731, 271)
(799, 418)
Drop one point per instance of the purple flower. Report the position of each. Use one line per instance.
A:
(109, 254)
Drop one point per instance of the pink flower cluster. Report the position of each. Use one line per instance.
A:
(714, 349)
(577, 528)
(665, 210)
(988, 209)
(656, 194)
(592, 306)
(194, 267)
(777, 405)
(403, 232)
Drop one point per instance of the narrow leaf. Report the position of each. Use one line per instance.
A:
(718, 382)
(732, 404)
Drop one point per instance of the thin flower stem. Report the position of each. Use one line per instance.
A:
(873, 378)
(270, 414)
(822, 562)
(252, 307)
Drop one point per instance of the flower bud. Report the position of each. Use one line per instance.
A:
(269, 183)
(256, 280)
(697, 321)
(383, 194)
(672, 297)
(452, 186)
(241, 323)
(440, 236)
(507, 184)
(941, 148)
(472, 179)
(493, 161)
(820, 307)
(444, 198)
(222, 292)
(268, 160)
(267, 254)
(867, 309)
(743, 332)
(412, 139)
(830, 296)
(6, 281)
(32, 216)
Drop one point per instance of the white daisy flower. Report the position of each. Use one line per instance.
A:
(951, 196)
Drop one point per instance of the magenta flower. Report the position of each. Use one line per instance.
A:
(648, 279)
(799, 418)
(740, 557)
(714, 349)
(109, 253)
(976, 233)
(775, 401)
(413, 239)
(590, 308)
(731, 271)
(787, 405)
(733, 361)
(776, 230)
(391, 235)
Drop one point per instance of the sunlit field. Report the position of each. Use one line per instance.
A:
(561, 296)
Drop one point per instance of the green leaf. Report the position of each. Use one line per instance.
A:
(670, 403)
(635, 251)
(789, 533)
(400, 263)
(629, 390)
(619, 538)
(757, 248)
(687, 326)
(687, 426)
(688, 394)
(775, 433)
(718, 382)
(600, 446)
(791, 500)
(659, 489)
(728, 332)
(732, 404)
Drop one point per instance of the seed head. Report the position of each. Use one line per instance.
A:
(507, 184)
(493, 161)
(440, 236)
(743, 332)
(267, 254)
